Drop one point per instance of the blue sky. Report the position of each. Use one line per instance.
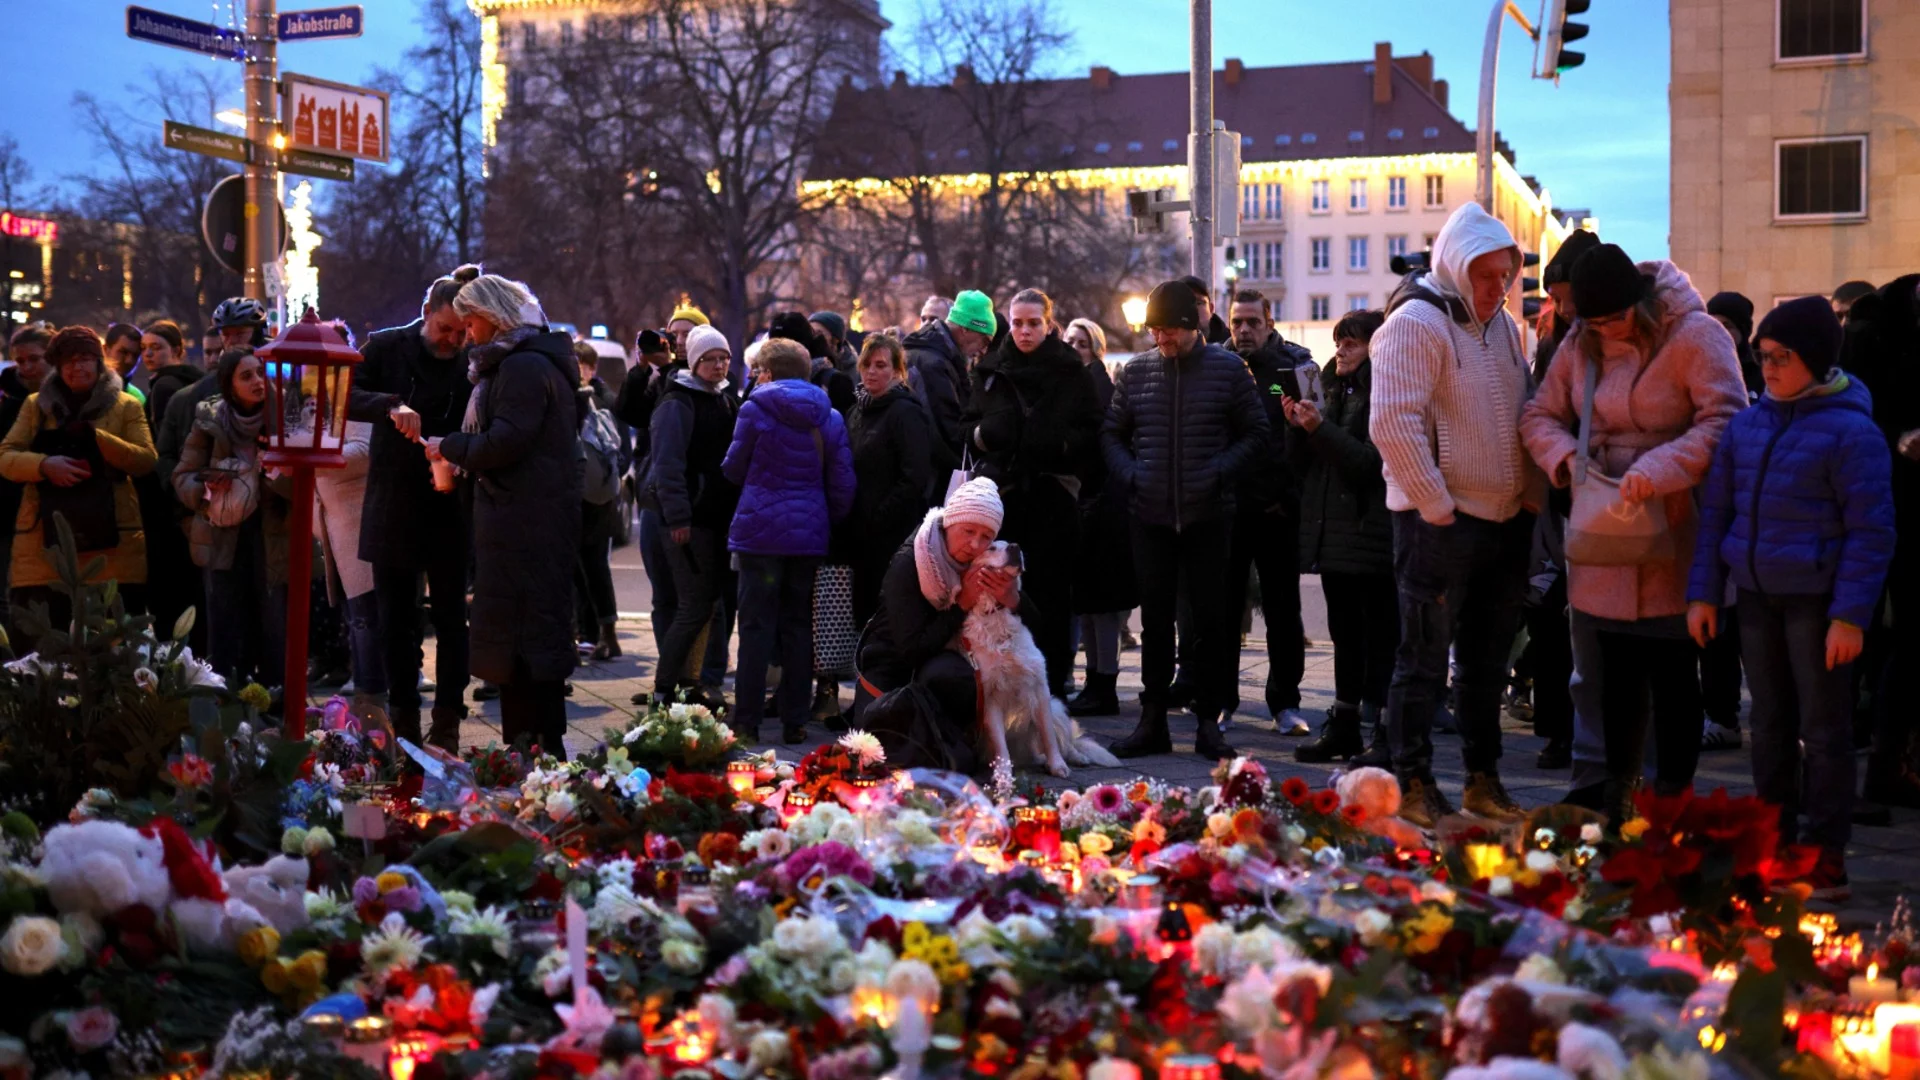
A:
(1598, 140)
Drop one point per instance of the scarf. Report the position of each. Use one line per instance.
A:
(242, 429)
(484, 360)
(939, 574)
(63, 407)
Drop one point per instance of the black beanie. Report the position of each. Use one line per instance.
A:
(1560, 267)
(795, 326)
(1606, 282)
(1736, 309)
(1172, 305)
(1809, 327)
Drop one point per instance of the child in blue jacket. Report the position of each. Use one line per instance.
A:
(1797, 511)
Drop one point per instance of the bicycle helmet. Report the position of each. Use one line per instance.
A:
(239, 311)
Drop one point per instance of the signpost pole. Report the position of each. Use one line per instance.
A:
(1200, 142)
(262, 91)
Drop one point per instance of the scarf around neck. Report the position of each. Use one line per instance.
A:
(63, 407)
(484, 360)
(939, 574)
(242, 429)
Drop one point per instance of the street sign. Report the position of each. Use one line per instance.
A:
(199, 140)
(334, 118)
(320, 23)
(308, 163)
(223, 224)
(146, 24)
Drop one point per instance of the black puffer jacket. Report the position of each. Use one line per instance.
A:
(170, 438)
(893, 470)
(937, 370)
(691, 428)
(1882, 348)
(526, 508)
(165, 383)
(404, 523)
(1272, 481)
(1034, 414)
(1179, 432)
(1344, 524)
(907, 630)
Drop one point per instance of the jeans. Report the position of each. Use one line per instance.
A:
(1589, 676)
(364, 640)
(696, 577)
(776, 604)
(1164, 559)
(713, 655)
(397, 593)
(1101, 635)
(1798, 703)
(1549, 662)
(1270, 544)
(534, 710)
(1363, 618)
(1463, 584)
(653, 556)
(1653, 678)
(247, 616)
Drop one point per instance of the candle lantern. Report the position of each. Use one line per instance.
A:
(740, 778)
(1038, 828)
(1903, 1052)
(368, 1040)
(309, 372)
(1189, 1067)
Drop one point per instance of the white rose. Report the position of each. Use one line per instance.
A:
(1590, 833)
(1220, 826)
(841, 976)
(846, 832)
(1213, 947)
(1542, 862)
(560, 805)
(31, 945)
(1373, 925)
(682, 956)
(1500, 886)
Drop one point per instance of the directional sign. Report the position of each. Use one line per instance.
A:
(308, 163)
(334, 118)
(199, 140)
(146, 24)
(333, 22)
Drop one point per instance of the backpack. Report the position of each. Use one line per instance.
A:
(598, 455)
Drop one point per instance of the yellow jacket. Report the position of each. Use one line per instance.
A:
(125, 444)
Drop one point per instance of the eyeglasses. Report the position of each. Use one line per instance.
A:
(1777, 357)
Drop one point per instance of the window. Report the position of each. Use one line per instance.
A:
(1436, 191)
(713, 20)
(1821, 178)
(1250, 202)
(1322, 197)
(1426, 243)
(1098, 199)
(1273, 202)
(1396, 245)
(1319, 308)
(1309, 139)
(1322, 248)
(516, 88)
(529, 36)
(1396, 134)
(1356, 253)
(1396, 193)
(653, 28)
(1133, 147)
(1271, 267)
(1821, 29)
(566, 33)
(1356, 195)
(1101, 148)
(1283, 140)
(1170, 145)
(1430, 133)
(1357, 301)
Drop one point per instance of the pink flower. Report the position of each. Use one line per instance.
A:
(91, 1028)
(1107, 799)
(828, 860)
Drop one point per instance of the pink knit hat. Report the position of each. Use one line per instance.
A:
(976, 502)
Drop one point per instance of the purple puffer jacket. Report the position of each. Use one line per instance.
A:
(791, 460)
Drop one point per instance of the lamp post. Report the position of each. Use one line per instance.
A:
(309, 370)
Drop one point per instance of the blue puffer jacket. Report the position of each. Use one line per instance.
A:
(1799, 502)
(791, 460)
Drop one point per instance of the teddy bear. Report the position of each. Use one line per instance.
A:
(1376, 791)
(274, 894)
(97, 868)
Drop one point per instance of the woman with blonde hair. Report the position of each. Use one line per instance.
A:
(518, 443)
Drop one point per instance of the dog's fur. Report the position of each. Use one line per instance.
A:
(1013, 682)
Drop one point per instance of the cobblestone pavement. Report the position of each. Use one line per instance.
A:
(1880, 860)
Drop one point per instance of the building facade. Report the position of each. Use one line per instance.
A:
(1795, 143)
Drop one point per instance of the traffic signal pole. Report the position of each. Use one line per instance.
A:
(1489, 76)
(262, 179)
(1200, 143)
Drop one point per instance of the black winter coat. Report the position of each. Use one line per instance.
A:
(1882, 348)
(691, 430)
(1180, 431)
(171, 437)
(526, 509)
(1271, 480)
(404, 523)
(1103, 575)
(167, 382)
(907, 630)
(937, 370)
(639, 396)
(13, 395)
(1034, 415)
(892, 442)
(1344, 524)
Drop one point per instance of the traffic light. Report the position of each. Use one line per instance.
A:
(1555, 57)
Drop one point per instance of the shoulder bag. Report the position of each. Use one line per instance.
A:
(1605, 529)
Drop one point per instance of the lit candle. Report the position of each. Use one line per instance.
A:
(1871, 988)
(1903, 1052)
(367, 1040)
(1190, 1067)
(740, 777)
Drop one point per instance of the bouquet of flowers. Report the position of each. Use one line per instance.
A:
(679, 735)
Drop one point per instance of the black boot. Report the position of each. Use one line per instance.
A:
(406, 722)
(1207, 740)
(1892, 782)
(608, 646)
(1339, 738)
(1149, 735)
(1097, 698)
(445, 730)
(1379, 753)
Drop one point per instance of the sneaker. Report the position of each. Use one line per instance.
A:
(1715, 736)
(486, 691)
(1293, 721)
(426, 685)
(1829, 879)
(1225, 723)
(1519, 703)
(1487, 797)
(1423, 803)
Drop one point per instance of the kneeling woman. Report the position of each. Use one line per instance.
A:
(930, 586)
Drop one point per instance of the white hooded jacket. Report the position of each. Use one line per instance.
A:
(1448, 390)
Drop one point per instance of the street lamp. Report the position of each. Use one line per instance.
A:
(1134, 310)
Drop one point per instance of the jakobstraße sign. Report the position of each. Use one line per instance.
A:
(334, 118)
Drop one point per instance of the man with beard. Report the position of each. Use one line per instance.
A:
(412, 385)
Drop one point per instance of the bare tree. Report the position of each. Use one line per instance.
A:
(15, 175)
(438, 93)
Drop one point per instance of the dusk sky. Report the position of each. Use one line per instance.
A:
(1599, 140)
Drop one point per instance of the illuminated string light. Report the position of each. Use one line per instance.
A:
(303, 278)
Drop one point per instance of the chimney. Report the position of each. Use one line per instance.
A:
(1102, 77)
(1383, 73)
(899, 77)
(1234, 70)
(1440, 92)
(1418, 68)
(963, 75)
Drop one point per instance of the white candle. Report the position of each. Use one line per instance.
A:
(1871, 988)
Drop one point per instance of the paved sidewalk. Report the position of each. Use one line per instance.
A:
(1881, 861)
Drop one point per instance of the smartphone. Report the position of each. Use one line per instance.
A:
(1290, 384)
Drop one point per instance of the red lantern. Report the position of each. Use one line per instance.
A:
(309, 371)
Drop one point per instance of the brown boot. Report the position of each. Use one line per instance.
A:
(1487, 797)
(1423, 803)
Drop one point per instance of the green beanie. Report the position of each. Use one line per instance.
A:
(973, 311)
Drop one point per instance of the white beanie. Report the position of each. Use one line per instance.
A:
(702, 340)
(976, 502)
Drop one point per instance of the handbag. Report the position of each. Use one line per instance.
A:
(229, 508)
(88, 506)
(834, 633)
(1605, 529)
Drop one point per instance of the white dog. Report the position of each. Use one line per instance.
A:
(1024, 723)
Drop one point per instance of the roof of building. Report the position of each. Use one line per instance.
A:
(1108, 120)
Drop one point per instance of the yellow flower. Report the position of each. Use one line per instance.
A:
(1149, 830)
(258, 945)
(1635, 829)
(309, 973)
(1095, 843)
(1426, 930)
(390, 881)
(915, 937)
(277, 976)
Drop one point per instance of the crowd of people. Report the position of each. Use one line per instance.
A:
(1600, 531)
